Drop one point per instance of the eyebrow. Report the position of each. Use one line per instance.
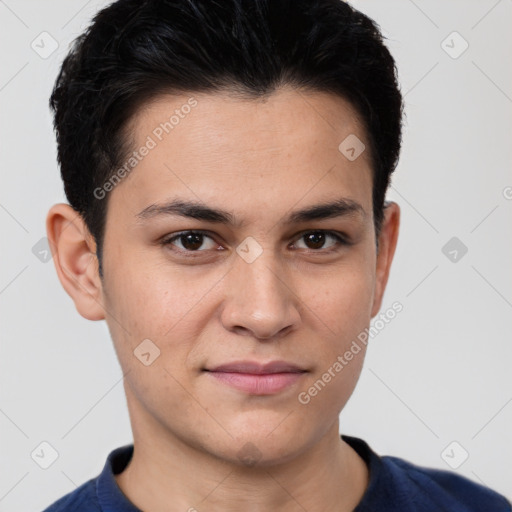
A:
(196, 210)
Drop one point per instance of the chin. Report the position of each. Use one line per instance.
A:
(264, 442)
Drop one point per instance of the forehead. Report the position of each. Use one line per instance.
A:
(226, 121)
(216, 146)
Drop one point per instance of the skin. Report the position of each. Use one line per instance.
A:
(297, 301)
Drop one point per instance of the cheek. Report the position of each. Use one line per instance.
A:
(346, 309)
(160, 306)
(342, 301)
(153, 300)
(339, 316)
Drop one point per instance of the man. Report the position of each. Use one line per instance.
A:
(226, 165)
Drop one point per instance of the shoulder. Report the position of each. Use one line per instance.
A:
(102, 492)
(82, 499)
(397, 485)
(436, 489)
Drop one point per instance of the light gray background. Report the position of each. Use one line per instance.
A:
(438, 373)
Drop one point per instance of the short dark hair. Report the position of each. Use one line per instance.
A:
(135, 50)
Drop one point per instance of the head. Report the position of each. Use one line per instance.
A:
(269, 129)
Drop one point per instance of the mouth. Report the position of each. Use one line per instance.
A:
(257, 379)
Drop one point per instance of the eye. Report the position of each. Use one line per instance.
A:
(190, 241)
(316, 240)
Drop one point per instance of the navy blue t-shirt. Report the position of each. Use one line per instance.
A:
(395, 485)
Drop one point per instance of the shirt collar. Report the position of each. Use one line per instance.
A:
(110, 496)
(112, 499)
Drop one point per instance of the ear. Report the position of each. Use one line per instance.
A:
(387, 244)
(74, 256)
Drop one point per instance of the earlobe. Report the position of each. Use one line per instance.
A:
(387, 244)
(74, 256)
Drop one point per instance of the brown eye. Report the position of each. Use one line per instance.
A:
(316, 240)
(190, 241)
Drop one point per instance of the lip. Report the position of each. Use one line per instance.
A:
(255, 378)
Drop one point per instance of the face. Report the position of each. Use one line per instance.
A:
(241, 247)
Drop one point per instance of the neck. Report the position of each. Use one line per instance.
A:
(167, 474)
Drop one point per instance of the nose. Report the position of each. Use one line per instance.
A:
(259, 299)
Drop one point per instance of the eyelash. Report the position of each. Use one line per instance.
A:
(341, 240)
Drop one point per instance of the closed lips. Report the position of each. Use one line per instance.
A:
(254, 368)
(254, 378)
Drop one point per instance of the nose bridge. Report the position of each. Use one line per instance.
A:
(261, 279)
(258, 299)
